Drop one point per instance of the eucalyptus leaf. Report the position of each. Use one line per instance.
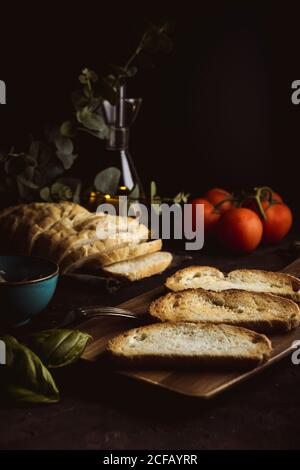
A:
(63, 144)
(87, 75)
(67, 129)
(30, 161)
(75, 185)
(107, 181)
(132, 71)
(97, 134)
(26, 182)
(61, 192)
(111, 79)
(91, 120)
(58, 347)
(86, 91)
(82, 79)
(153, 190)
(45, 194)
(66, 159)
(24, 378)
(53, 171)
(78, 99)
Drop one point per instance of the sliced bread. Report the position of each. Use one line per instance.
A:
(124, 253)
(184, 344)
(253, 280)
(258, 311)
(85, 253)
(140, 267)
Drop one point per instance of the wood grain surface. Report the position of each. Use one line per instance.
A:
(202, 384)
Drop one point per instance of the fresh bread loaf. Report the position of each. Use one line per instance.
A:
(71, 236)
(20, 227)
(253, 280)
(138, 268)
(186, 345)
(266, 313)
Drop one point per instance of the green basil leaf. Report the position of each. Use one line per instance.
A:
(58, 347)
(24, 378)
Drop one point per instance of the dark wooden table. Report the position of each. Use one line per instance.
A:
(108, 411)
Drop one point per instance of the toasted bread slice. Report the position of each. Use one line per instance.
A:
(258, 311)
(183, 344)
(140, 267)
(254, 280)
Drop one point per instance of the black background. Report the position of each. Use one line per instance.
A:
(216, 112)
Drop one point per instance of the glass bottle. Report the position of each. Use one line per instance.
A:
(119, 119)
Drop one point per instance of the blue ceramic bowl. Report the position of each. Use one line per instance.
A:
(29, 285)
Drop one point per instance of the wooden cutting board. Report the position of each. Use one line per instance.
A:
(198, 384)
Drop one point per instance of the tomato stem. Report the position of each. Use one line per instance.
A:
(259, 196)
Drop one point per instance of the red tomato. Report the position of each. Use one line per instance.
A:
(240, 230)
(276, 197)
(216, 196)
(211, 217)
(279, 220)
(278, 223)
